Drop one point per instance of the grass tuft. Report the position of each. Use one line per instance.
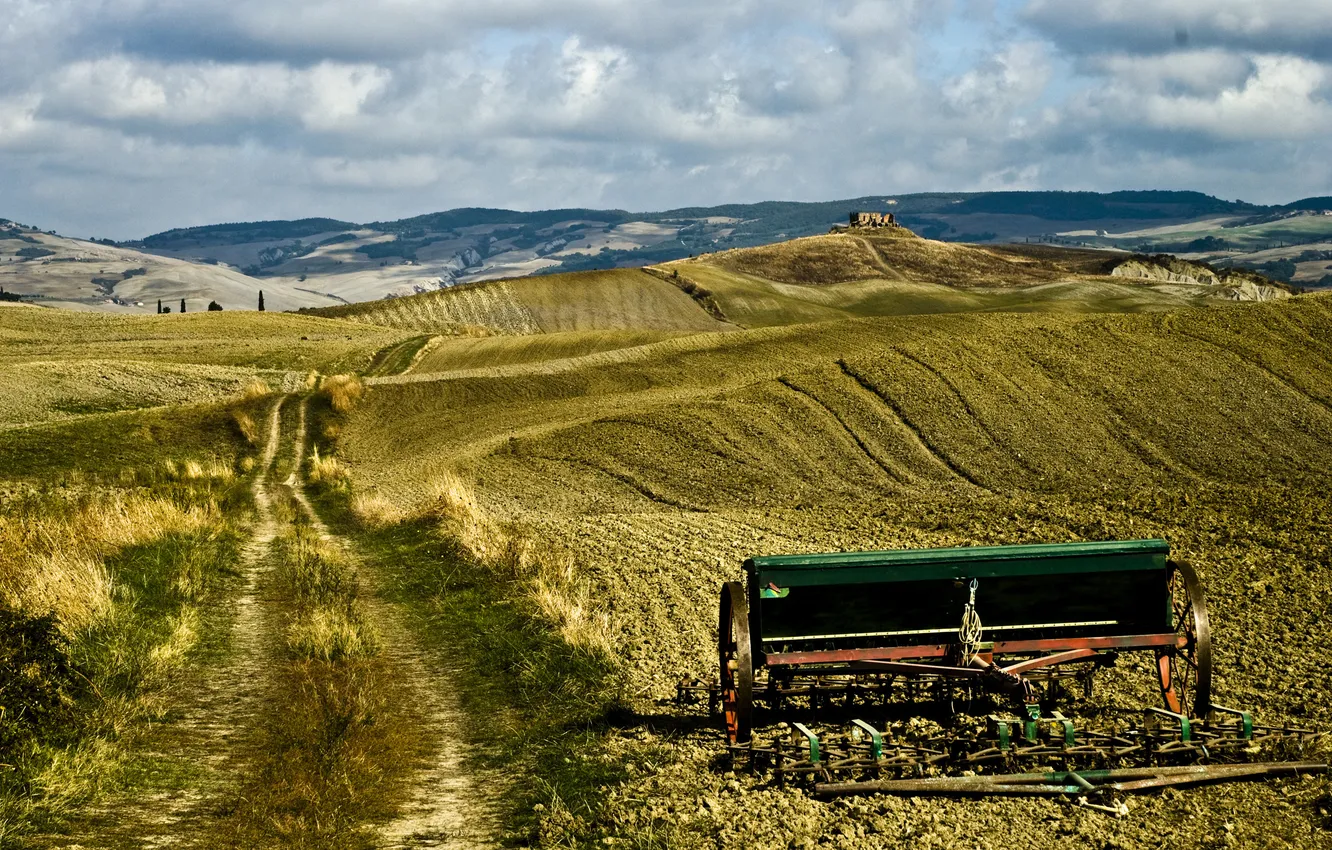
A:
(331, 634)
(327, 473)
(344, 392)
(374, 510)
(547, 575)
(245, 424)
(255, 390)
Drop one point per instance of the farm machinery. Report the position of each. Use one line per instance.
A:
(826, 637)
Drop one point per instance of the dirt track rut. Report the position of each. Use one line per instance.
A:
(446, 805)
(217, 708)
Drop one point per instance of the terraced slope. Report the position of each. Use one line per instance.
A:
(503, 351)
(621, 299)
(659, 472)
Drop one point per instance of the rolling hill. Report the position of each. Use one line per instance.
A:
(819, 278)
(655, 472)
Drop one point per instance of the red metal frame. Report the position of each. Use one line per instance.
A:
(1064, 647)
(1050, 660)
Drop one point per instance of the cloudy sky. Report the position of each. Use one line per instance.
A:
(124, 117)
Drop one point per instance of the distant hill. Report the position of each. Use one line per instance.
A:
(47, 269)
(1320, 203)
(851, 274)
(1091, 206)
(325, 261)
(245, 231)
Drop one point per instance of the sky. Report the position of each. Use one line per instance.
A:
(121, 118)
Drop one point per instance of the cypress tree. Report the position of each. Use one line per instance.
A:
(159, 306)
(261, 301)
(182, 305)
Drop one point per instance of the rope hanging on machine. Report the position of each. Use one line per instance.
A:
(969, 634)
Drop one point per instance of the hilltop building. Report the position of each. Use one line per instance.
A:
(873, 219)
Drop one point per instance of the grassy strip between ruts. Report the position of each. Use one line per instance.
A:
(337, 737)
(92, 640)
(537, 705)
(537, 677)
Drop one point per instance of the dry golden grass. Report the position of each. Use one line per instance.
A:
(326, 472)
(326, 633)
(343, 391)
(184, 470)
(375, 510)
(255, 390)
(548, 576)
(245, 423)
(54, 558)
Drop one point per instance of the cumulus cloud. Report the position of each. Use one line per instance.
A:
(127, 116)
(1013, 78)
(1278, 98)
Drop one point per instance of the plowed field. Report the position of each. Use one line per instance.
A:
(660, 469)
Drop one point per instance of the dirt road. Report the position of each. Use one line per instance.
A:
(211, 744)
(445, 807)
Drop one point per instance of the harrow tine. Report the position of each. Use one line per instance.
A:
(1057, 784)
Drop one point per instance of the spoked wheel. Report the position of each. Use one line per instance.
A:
(1186, 671)
(737, 663)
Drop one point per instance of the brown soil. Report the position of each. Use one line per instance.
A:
(1208, 428)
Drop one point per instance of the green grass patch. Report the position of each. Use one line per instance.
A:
(76, 703)
(134, 446)
(398, 358)
(538, 706)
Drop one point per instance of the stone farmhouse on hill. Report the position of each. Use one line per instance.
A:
(873, 219)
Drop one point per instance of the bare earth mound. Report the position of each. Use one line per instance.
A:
(814, 260)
